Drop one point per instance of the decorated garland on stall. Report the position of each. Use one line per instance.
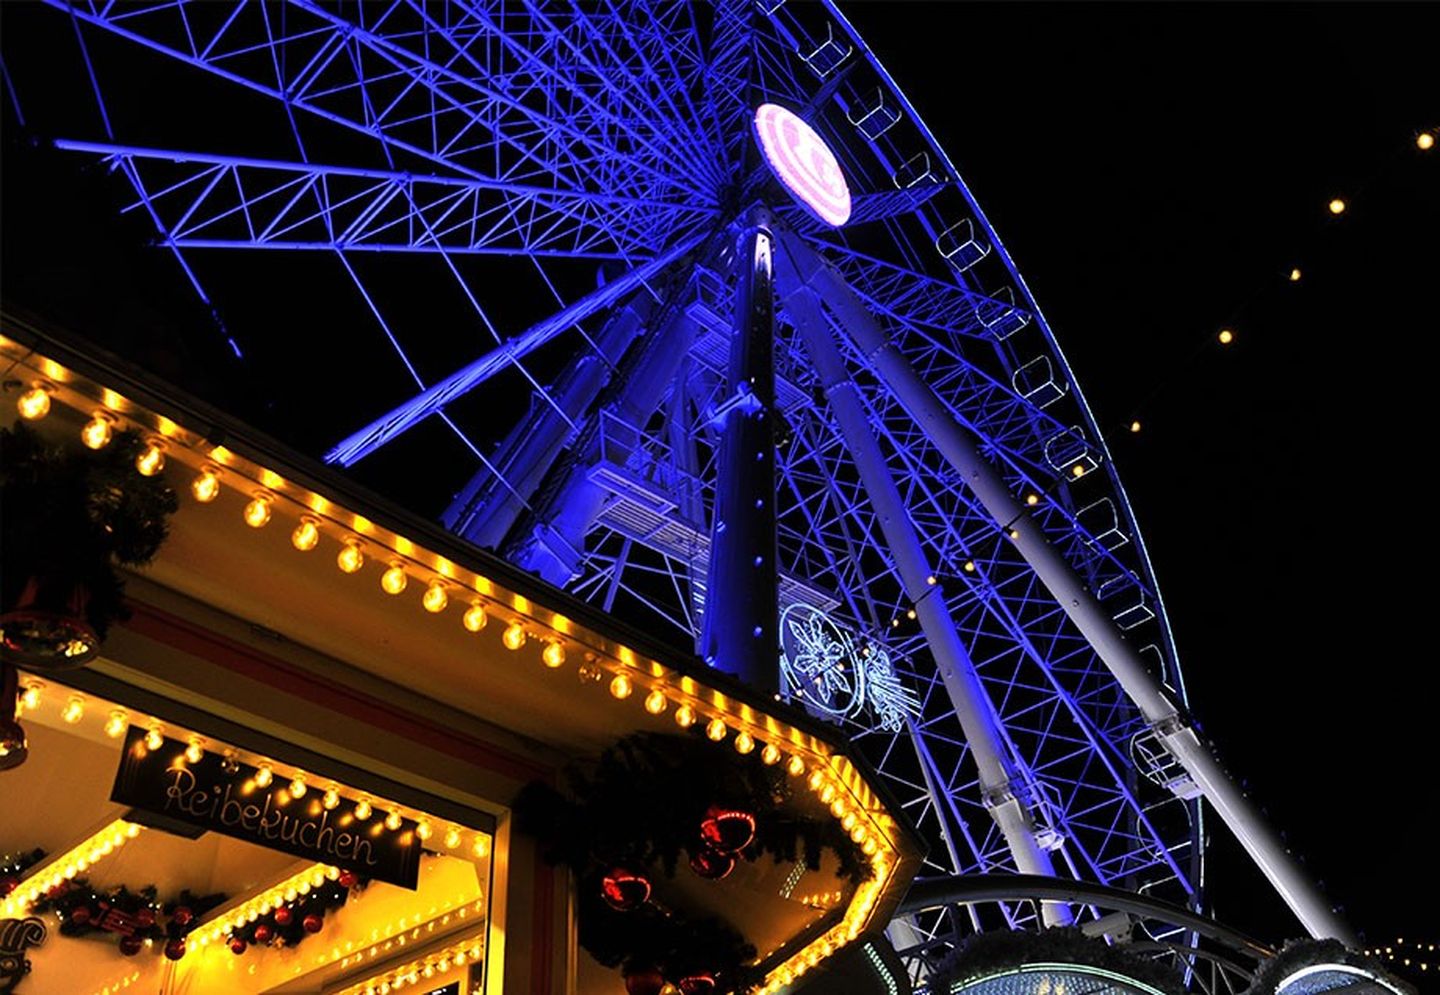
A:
(290, 924)
(983, 954)
(648, 801)
(71, 516)
(14, 866)
(1299, 954)
(134, 916)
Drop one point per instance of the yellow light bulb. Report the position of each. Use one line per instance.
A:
(910, 614)
(621, 686)
(423, 830)
(838, 808)
(481, 848)
(263, 776)
(393, 580)
(475, 617)
(1226, 336)
(744, 742)
(350, 559)
(1032, 499)
(795, 767)
(514, 636)
(206, 485)
(154, 738)
(684, 716)
(116, 724)
(716, 729)
(1425, 141)
(817, 778)
(297, 786)
(34, 404)
(74, 710)
(969, 566)
(151, 459)
(1295, 275)
(363, 809)
(194, 752)
(655, 702)
(392, 821)
(1134, 426)
(306, 535)
(332, 798)
(827, 793)
(97, 431)
(30, 697)
(1078, 470)
(1337, 205)
(257, 512)
(452, 837)
(435, 598)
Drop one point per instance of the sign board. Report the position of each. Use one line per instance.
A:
(219, 794)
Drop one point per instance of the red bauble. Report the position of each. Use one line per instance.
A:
(728, 830)
(80, 915)
(182, 915)
(263, 932)
(130, 945)
(145, 917)
(712, 865)
(313, 922)
(175, 949)
(238, 945)
(283, 915)
(645, 981)
(697, 984)
(8, 883)
(624, 890)
(348, 879)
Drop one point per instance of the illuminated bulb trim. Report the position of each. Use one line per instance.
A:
(206, 485)
(117, 723)
(514, 636)
(34, 404)
(152, 460)
(435, 599)
(475, 617)
(264, 776)
(195, 750)
(363, 809)
(258, 510)
(621, 687)
(98, 431)
(453, 837)
(744, 742)
(685, 716)
(553, 656)
(795, 767)
(307, 534)
(154, 738)
(716, 729)
(393, 820)
(74, 710)
(297, 786)
(393, 580)
(656, 702)
(350, 558)
(331, 798)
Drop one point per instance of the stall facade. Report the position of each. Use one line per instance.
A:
(292, 767)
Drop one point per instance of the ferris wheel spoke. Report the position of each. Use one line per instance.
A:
(433, 399)
(244, 203)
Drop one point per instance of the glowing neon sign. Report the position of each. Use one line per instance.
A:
(822, 665)
(803, 163)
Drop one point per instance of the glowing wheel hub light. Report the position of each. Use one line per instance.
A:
(803, 163)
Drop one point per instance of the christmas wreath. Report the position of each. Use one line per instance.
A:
(647, 801)
(68, 517)
(984, 954)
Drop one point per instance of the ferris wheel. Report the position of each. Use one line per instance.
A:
(961, 581)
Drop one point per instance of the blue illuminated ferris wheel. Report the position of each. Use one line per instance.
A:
(960, 579)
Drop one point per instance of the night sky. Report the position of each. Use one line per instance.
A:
(1156, 171)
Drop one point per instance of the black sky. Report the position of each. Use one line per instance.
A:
(1155, 170)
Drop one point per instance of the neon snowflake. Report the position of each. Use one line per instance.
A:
(824, 667)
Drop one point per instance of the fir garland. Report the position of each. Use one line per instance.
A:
(982, 954)
(135, 916)
(14, 866)
(71, 514)
(1298, 954)
(641, 805)
(290, 927)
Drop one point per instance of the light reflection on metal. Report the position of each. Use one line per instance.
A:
(827, 668)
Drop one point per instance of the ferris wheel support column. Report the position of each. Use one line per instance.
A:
(742, 601)
(1001, 787)
(961, 451)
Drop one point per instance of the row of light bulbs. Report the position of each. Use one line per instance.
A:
(77, 860)
(400, 932)
(422, 969)
(1389, 954)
